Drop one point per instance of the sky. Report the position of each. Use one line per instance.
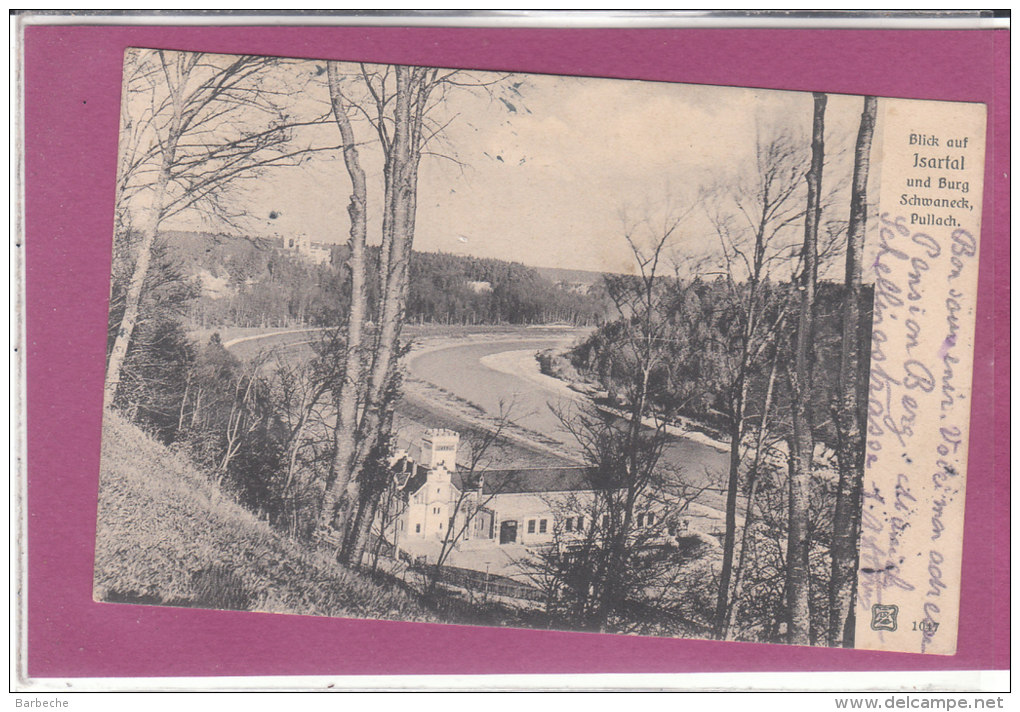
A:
(556, 174)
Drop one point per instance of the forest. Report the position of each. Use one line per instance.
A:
(698, 373)
(753, 342)
(703, 313)
(260, 285)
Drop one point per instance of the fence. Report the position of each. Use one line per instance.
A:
(489, 584)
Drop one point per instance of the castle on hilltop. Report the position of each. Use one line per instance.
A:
(302, 246)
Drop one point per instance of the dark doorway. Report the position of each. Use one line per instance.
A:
(507, 532)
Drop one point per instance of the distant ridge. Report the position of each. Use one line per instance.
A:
(196, 243)
(571, 276)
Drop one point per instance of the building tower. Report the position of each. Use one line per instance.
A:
(439, 447)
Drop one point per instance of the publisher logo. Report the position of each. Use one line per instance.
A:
(883, 617)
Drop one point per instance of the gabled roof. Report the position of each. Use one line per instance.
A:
(410, 476)
(540, 479)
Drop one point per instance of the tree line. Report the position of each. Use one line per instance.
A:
(454, 289)
(751, 347)
(703, 330)
(195, 128)
(266, 287)
(775, 361)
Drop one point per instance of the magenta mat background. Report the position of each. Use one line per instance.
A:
(72, 90)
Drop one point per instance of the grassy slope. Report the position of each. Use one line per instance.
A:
(166, 535)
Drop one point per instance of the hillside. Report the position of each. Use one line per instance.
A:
(259, 283)
(561, 275)
(167, 536)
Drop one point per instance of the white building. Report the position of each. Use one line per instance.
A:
(302, 246)
(487, 516)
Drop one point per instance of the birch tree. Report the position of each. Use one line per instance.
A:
(752, 221)
(802, 443)
(848, 416)
(402, 107)
(193, 124)
(347, 392)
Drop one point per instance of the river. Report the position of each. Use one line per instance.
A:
(490, 372)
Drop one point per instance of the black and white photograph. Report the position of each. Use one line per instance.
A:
(474, 348)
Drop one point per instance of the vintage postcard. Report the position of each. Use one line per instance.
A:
(539, 351)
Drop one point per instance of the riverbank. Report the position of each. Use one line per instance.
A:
(528, 366)
(525, 447)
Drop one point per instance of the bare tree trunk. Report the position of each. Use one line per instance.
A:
(239, 410)
(295, 446)
(295, 439)
(738, 576)
(345, 432)
(612, 581)
(374, 479)
(393, 281)
(386, 519)
(732, 485)
(133, 298)
(362, 526)
(737, 428)
(846, 520)
(196, 411)
(802, 443)
(184, 403)
(393, 288)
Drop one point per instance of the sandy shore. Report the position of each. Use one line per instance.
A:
(524, 365)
